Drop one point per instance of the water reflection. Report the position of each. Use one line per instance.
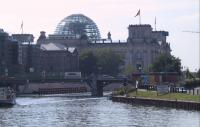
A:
(77, 111)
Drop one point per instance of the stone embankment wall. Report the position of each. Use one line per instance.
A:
(30, 88)
(36, 87)
(158, 102)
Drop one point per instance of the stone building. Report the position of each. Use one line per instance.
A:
(141, 49)
(8, 55)
(57, 58)
(25, 49)
(49, 58)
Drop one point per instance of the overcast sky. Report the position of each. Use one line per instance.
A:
(174, 16)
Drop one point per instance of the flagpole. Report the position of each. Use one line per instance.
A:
(139, 14)
(155, 23)
(22, 25)
(22, 30)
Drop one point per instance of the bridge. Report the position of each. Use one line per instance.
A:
(95, 82)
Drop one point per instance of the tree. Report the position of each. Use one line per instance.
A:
(166, 63)
(198, 74)
(188, 74)
(109, 62)
(102, 62)
(129, 69)
(88, 63)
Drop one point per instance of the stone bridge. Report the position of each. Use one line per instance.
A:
(95, 83)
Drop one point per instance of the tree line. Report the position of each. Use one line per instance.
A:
(100, 62)
(108, 62)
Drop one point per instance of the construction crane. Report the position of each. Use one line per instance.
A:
(191, 31)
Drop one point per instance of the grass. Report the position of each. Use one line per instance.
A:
(169, 96)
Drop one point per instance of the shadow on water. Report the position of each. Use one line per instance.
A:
(5, 106)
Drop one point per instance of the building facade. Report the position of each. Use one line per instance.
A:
(8, 55)
(48, 58)
(57, 58)
(142, 48)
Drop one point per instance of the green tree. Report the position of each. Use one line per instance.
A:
(188, 74)
(198, 74)
(109, 62)
(88, 63)
(129, 69)
(166, 63)
(102, 62)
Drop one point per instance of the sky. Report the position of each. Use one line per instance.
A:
(174, 16)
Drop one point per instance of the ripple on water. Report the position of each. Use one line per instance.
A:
(91, 112)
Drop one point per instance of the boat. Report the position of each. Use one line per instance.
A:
(7, 96)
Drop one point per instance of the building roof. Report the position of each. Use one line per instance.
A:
(56, 47)
(77, 25)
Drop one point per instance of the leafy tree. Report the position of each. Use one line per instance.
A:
(109, 62)
(102, 62)
(188, 74)
(198, 73)
(88, 63)
(166, 63)
(129, 69)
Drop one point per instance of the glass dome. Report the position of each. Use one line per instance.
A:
(77, 26)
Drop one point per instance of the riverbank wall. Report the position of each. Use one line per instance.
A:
(53, 88)
(158, 102)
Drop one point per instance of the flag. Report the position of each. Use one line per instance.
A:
(138, 13)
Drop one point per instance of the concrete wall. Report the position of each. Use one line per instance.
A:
(34, 87)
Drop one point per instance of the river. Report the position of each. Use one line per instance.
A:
(81, 110)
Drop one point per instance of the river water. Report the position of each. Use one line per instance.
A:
(84, 111)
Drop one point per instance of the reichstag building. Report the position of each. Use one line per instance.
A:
(140, 50)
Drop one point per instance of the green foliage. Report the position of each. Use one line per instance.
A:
(166, 63)
(121, 91)
(198, 74)
(192, 83)
(88, 63)
(128, 70)
(169, 96)
(189, 75)
(109, 62)
(102, 62)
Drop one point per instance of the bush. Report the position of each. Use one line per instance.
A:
(192, 83)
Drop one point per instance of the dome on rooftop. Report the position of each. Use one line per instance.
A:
(77, 25)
